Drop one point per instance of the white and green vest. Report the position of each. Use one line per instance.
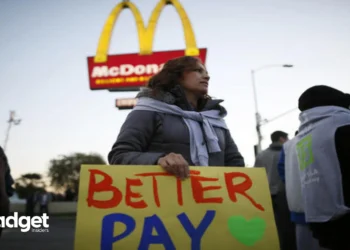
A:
(320, 175)
(293, 183)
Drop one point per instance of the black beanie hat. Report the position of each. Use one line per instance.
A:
(322, 95)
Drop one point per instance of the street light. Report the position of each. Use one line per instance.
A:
(258, 119)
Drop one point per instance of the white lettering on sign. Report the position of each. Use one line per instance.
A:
(125, 70)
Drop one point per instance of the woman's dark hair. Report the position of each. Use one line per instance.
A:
(172, 73)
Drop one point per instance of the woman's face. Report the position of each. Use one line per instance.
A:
(196, 81)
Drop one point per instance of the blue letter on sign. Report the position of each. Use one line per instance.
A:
(163, 236)
(107, 234)
(196, 234)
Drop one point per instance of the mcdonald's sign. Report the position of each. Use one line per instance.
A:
(129, 72)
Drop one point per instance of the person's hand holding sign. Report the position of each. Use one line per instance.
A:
(175, 164)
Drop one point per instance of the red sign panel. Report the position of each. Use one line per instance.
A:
(130, 71)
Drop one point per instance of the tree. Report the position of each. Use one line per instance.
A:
(28, 184)
(65, 170)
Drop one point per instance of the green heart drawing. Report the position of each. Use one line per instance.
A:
(247, 232)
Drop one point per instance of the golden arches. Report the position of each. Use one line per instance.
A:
(145, 34)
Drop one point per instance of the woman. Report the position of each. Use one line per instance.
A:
(176, 124)
(4, 196)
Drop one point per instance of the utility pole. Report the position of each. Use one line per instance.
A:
(257, 115)
(14, 121)
(258, 119)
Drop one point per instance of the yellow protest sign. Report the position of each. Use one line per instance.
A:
(142, 207)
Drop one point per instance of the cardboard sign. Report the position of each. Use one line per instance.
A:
(142, 207)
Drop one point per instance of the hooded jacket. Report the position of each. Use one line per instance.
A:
(317, 100)
(146, 136)
(319, 169)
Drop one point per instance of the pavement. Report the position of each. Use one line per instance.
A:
(60, 236)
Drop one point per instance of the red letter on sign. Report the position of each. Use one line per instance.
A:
(198, 190)
(241, 188)
(155, 184)
(104, 186)
(180, 200)
(129, 194)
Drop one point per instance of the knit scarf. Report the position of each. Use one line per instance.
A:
(200, 142)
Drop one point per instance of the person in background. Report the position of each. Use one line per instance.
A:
(6, 189)
(44, 202)
(323, 156)
(4, 199)
(288, 170)
(31, 201)
(176, 123)
(69, 195)
(269, 160)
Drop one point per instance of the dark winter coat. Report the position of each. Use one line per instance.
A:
(8, 177)
(146, 136)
